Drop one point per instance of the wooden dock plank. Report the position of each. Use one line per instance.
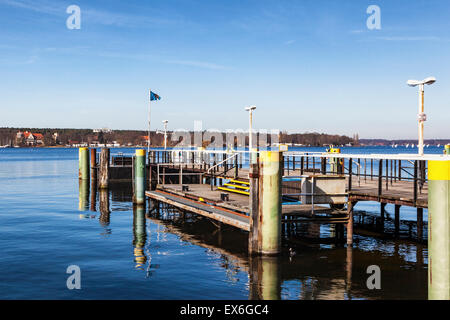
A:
(210, 211)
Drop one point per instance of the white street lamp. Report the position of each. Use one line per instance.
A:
(250, 134)
(165, 133)
(421, 117)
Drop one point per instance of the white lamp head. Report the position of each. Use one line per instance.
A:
(428, 81)
(413, 83)
(165, 121)
(251, 108)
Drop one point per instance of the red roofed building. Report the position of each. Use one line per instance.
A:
(33, 139)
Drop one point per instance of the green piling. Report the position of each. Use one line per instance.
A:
(139, 177)
(83, 163)
(270, 202)
(439, 230)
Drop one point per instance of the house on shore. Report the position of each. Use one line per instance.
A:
(30, 138)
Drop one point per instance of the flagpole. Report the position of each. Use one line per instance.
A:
(149, 105)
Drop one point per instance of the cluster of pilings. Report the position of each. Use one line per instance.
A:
(100, 173)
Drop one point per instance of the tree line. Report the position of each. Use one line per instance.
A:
(63, 137)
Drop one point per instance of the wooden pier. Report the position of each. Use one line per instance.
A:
(200, 181)
(270, 193)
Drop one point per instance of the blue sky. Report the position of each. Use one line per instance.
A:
(306, 65)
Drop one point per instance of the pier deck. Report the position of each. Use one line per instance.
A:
(201, 200)
(204, 208)
(367, 189)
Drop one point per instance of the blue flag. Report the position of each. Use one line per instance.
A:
(154, 96)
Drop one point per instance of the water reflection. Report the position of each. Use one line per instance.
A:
(104, 207)
(93, 207)
(139, 236)
(307, 269)
(83, 195)
(264, 278)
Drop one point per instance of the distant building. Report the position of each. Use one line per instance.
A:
(103, 130)
(144, 140)
(29, 138)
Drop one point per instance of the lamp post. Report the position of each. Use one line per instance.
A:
(165, 133)
(250, 120)
(421, 117)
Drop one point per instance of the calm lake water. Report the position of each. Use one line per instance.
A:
(46, 225)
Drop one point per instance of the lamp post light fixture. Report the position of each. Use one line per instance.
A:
(421, 117)
(165, 133)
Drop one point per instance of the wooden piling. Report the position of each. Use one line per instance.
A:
(253, 208)
(104, 169)
(267, 231)
(93, 164)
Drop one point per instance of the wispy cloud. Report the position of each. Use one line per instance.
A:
(37, 6)
(289, 42)
(92, 15)
(17, 61)
(429, 38)
(359, 31)
(199, 64)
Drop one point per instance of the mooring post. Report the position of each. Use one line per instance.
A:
(93, 164)
(139, 177)
(83, 163)
(104, 169)
(253, 206)
(438, 230)
(267, 231)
